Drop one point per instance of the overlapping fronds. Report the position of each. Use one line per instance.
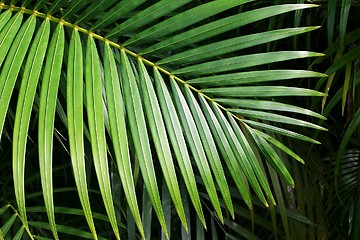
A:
(153, 85)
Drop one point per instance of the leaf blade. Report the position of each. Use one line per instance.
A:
(230, 45)
(95, 113)
(210, 149)
(9, 75)
(220, 26)
(160, 139)
(176, 136)
(227, 152)
(182, 20)
(253, 77)
(118, 131)
(195, 145)
(146, 16)
(48, 95)
(75, 123)
(140, 136)
(261, 91)
(245, 61)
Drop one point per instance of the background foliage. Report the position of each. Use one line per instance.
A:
(170, 116)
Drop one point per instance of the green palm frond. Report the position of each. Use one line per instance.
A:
(148, 92)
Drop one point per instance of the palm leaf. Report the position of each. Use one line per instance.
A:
(99, 57)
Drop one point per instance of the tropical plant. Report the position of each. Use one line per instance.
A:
(338, 155)
(149, 95)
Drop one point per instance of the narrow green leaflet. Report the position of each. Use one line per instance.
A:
(146, 16)
(119, 139)
(40, 4)
(8, 77)
(4, 208)
(19, 234)
(4, 18)
(245, 61)
(254, 77)
(239, 153)
(72, 211)
(345, 8)
(75, 123)
(26, 96)
(210, 148)
(116, 13)
(254, 161)
(177, 140)
(272, 157)
(183, 20)
(230, 45)
(140, 136)
(25, 3)
(95, 113)
(340, 63)
(261, 91)
(220, 26)
(7, 36)
(226, 151)
(93, 10)
(72, 231)
(267, 105)
(280, 197)
(275, 118)
(56, 5)
(240, 230)
(197, 149)
(74, 7)
(281, 146)
(281, 131)
(48, 97)
(331, 21)
(7, 225)
(160, 139)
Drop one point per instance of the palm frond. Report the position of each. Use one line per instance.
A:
(149, 85)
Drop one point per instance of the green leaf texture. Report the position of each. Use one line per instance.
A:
(146, 96)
